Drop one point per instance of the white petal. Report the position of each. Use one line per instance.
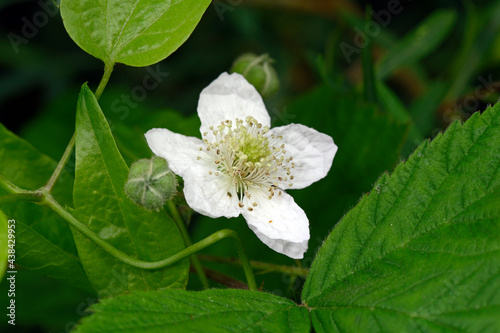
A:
(205, 193)
(279, 223)
(179, 150)
(229, 97)
(208, 194)
(312, 153)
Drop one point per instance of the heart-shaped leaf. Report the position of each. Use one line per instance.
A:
(132, 32)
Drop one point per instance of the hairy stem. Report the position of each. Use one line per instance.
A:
(174, 212)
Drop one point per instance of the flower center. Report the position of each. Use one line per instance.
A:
(250, 158)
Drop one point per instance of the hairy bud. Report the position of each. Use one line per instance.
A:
(151, 183)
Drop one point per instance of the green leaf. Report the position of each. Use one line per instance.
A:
(3, 244)
(44, 241)
(101, 203)
(421, 252)
(32, 247)
(133, 32)
(189, 311)
(418, 43)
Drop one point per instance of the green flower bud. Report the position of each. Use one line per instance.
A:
(259, 72)
(151, 183)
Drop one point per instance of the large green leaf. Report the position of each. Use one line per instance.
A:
(418, 43)
(133, 32)
(421, 252)
(101, 203)
(44, 241)
(188, 311)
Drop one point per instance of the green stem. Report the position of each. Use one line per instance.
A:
(176, 216)
(10, 187)
(108, 69)
(29, 196)
(60, 166)
(264, 266)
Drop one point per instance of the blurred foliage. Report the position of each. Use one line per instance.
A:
(452, 71)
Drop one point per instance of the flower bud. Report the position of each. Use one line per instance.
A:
(258, 71)
(151, 183)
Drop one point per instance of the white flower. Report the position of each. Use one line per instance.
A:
(243, 167)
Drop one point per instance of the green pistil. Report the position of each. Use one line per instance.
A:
(254, 148)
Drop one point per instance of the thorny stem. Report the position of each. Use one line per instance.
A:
(259, 265)
(176, 216)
